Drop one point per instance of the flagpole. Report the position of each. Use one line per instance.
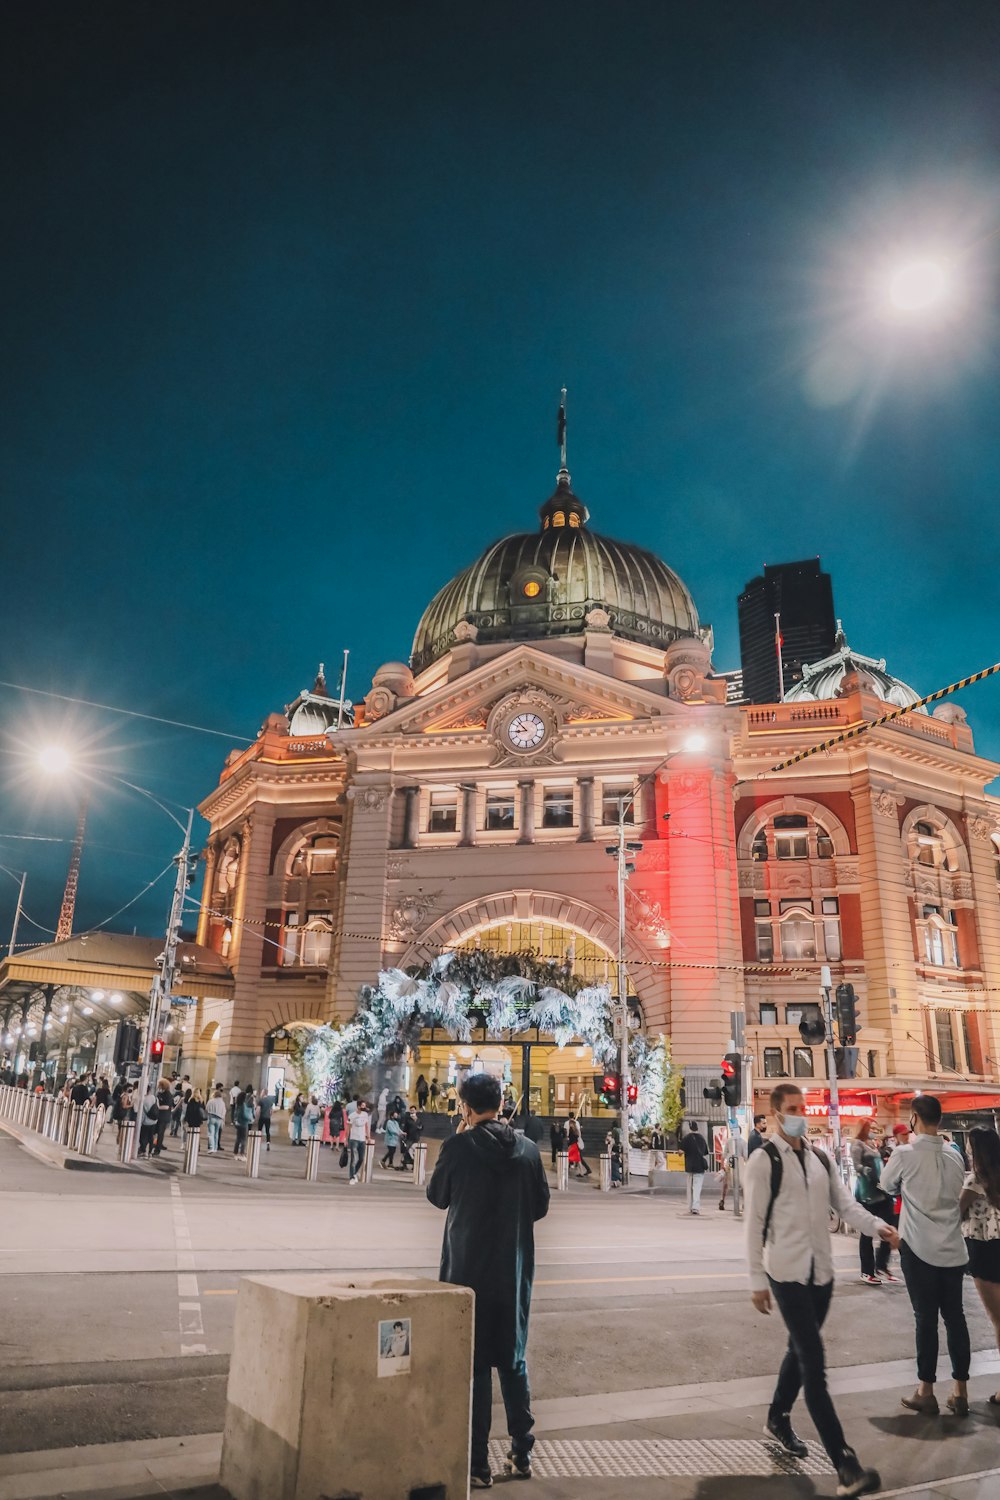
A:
(781, 668)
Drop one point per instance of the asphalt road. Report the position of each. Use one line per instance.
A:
(117, 1291)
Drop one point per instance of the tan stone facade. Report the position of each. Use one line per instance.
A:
(474, 802)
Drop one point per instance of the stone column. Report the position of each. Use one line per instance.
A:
(586, 809)
(411, 816)
(468, 790)
(527, 791)
(207, 890)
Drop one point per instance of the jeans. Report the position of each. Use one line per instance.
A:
(296, 1130)
(937, 1290)
(214, 1132)
(696, 1181)
(517, 1403)
(147, 1135)
(873, 1260)
(265, 1127)
(355, 1158)
(804, 1309)
(390, 1156)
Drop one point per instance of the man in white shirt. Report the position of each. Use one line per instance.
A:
(928, 1176)
(790, 1191)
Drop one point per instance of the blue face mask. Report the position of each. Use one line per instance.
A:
(794, 1126)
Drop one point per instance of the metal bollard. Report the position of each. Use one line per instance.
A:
(605, 1183)
(192, 1146)
(73, 1129)
(254, 1138)
(420, 1165)
(45, 1122)
(22, 1106)
(59, 1120)
(126, 1150)
(368, 1165)
(562, 1171)
(34, 1111)
(88, 1136)
(65, 1123)
(313, 1147)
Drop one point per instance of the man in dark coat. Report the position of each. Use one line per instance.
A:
(493, 1185)
(533, 1127)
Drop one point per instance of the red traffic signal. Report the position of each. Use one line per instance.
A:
(633, 1093)
(156, 1047)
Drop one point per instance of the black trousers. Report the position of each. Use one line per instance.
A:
(517, 1404)
(804, 1309)
(937, 1291)
(873, 1260)
(265, 1127)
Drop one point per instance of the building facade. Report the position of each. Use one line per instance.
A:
(561, 681)
(787, 609)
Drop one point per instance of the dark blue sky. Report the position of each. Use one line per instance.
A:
(289, 291)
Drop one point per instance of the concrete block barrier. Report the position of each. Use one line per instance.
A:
(357, 1388)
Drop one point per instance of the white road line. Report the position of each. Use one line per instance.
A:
(933, 1485)
(190, 1321)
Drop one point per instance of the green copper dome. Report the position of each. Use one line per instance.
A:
(542, 584)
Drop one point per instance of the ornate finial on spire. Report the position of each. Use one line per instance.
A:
(840, 639)
(319, 686)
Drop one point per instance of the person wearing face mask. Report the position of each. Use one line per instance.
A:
(791, 1189)
(928, 1176)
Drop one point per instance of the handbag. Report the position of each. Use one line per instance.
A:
(344, 1154)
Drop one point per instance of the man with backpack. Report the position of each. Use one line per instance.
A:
(791, 1188)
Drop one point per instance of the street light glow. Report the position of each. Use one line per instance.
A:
(694, 743)
(54, 758)
(918, 285)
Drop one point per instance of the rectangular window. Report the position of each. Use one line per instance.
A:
(769, 1015)
(824, 844)
(872, 1064)
(289, 951)
(557, 807)
(500, 810)
(831, 929)
(945, 1033)
(322, 856)
(443, 816)
(315, 949)
(971, 1060)
(791, 836)
(611, 799)
(802, 1062)
(774, 1062)
(763, 932)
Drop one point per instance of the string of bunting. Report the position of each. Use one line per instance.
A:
(896, 713)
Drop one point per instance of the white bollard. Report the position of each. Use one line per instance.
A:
(254, 1138)
(88, 1135)
(368, 1165)
(313, 1147)
(562, 1171)
(191, 1148)
(420, 1165)
(605, 1183)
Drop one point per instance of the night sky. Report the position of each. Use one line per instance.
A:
(289, 291)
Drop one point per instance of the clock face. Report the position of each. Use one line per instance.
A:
(526, 731)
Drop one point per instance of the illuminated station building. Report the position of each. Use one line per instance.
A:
(470, 800)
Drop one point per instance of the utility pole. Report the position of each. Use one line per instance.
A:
(162, 988)
(64, 927)
(826, 990)
(12, 945)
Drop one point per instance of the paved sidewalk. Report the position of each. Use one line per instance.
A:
(705, 1440)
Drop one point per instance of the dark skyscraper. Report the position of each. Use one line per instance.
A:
(802, 595)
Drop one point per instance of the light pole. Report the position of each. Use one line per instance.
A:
(622, 851)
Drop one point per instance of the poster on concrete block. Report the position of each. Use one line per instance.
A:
(394, 1346)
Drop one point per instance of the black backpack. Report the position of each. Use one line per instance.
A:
(777, 1170)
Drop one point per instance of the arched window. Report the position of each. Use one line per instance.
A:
(229, 866)
(559, 519)
(929, 847)
(759, 850)
(227, 941)
(306, 944)
(939, 937)
(574, 519)
(791, 836)
(317, 856)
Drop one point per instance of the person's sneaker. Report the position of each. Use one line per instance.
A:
(890, 1279)
(722, 1208)
(852, 1479)
(519, 1466)
(781, 1429)
(354, 1182)
(480, 1479)
(870, 1280)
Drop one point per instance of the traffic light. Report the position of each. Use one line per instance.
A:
(611, 1089)
(812, 1030)
(714, 1092)
(847, 1015)
(732, 1079)
(846, 1061)
(632, 1093)
(126, 1044)
(156, 1048)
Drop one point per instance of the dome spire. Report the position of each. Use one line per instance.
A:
(563, 508)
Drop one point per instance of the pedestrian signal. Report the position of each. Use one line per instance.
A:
(156, 1048)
